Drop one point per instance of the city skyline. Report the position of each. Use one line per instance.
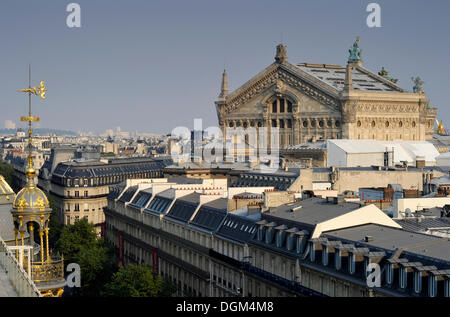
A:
(153, 66)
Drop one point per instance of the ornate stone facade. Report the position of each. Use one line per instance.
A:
(309, 102)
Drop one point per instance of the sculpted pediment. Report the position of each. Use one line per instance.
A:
(281, 79)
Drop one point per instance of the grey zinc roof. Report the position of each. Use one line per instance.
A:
(184, 207)
(128, 194)
(363, 79)
(237, 228)
(6, 222)
(141, 199)
(425, 224)
(211, 215)
(313, 211)
(391, 239)
(159, 204)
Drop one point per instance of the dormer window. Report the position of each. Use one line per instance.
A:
(338, 260)
(325, 255)
(351, 263)
(432, 285)
(447, 287)
(417, 282)
(403, 277)
(389, 274)
(313, 252)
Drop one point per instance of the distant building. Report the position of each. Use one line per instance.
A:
(365, 153)
(80, 188)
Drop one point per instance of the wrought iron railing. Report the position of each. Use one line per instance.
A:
(51, 271)
(291, 285)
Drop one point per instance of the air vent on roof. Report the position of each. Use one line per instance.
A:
(368, 238)
(296, 208)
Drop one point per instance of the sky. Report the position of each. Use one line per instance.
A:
(150, 66)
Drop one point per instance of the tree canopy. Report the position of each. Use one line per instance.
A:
(137, 281)
(79, 243)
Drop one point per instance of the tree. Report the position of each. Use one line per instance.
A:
(54, 224)
(7, 171)
(79, 243)
(137, 281)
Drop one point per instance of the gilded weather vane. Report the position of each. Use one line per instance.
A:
(39, 90)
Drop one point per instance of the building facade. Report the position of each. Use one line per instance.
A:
(313, 247)
(80, 188)
(308, 102)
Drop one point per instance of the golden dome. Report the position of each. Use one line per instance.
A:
(31, 198)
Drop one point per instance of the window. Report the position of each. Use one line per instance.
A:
(289, 107)
(86, 194)
(77, 207)
(281, 105)
(274, 107)
(77, 193)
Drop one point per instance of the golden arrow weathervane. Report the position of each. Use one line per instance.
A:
(37, 90)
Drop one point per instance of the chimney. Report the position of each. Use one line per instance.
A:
(420, 162)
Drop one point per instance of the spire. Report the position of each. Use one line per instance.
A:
(30, 172)
(224, 86)
(281, 55)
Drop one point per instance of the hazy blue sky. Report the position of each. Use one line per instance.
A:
(152, 65)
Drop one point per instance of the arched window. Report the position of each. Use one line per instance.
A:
(281, 105)
(275, 106)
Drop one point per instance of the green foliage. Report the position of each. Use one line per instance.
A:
(7, 171)
(55, 225)
(74, 237)
(137, 281)
(79, 243)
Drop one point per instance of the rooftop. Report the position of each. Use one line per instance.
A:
(391, 239)
(312, 211)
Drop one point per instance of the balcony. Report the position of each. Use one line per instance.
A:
(20, 283)
(48, 275)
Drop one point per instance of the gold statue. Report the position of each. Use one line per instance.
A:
(440, 130)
